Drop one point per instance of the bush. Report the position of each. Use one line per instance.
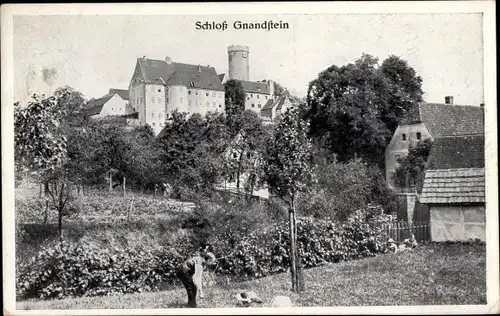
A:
(262, 249)
(343, 187)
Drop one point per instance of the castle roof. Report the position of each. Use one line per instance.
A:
(194, 76)
(122, 93)
(255, 87)
(446, 119)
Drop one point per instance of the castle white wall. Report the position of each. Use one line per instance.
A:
(256, 101)
(115, 106)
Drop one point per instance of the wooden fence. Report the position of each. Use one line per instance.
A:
(400, 230)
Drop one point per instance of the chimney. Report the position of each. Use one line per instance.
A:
(168, 60)
(270, 84)
(448, 100)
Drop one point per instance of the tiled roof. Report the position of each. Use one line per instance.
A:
(122, 93)
(255, 87)
(134, 115)
(446, 119)
(444, 186)
(221, 77)
(457, 152)
(94, 106)
(269, 105)
(196, 76)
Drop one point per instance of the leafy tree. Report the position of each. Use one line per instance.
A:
(234, 99)
(248, 146)
(411, 169)
(287, 170)
(41, 149)
(353, 110)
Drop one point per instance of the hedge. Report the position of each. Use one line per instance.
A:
(68, 270)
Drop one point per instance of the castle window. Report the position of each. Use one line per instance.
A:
(253, 105)
(133, 109)
(251, 94)
(160, 100)
(196, 92)
(152, 99)
(159, 115)
(266, 97)
(419, 135)
(213, 94)
(235, 155)
(259, 106)
(207, 93)
(189, 91)
(140, 100)
(220, 105)
(257, 96)
(189, 102)
(153, 114)
(159, 90)
(181, 100)
(404, 137)
(153, 124)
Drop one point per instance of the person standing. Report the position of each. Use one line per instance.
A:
(190, 272)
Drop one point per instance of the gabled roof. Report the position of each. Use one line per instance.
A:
(269, 104)
(122, 93)
(445, 186)
(94, 106)
(195, 76)
(255, 87)
(447, 119)
(456, 152)
(221, 77)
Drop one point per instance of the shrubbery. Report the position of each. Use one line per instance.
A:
(69, 270)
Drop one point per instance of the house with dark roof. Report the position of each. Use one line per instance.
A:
(454, 188)
(430, 120)
(159, 87)
(115, 102)
(239, 160)
(273, 109)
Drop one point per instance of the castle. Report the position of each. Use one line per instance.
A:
(159, 87)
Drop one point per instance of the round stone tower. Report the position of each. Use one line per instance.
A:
(238, 62)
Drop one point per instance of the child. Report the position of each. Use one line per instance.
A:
(190, 272)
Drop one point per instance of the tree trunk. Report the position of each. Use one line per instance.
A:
(124, 185)
(59, 223)
(293, 257)
(299, 279)
(46, 213)
(110, 182)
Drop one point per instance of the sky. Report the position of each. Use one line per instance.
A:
(93, 53)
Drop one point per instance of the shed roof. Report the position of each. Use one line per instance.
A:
(446, 119)
(445, 186)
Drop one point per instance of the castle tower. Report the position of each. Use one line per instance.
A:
(238, 62)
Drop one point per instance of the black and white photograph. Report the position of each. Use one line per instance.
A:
(250, 158)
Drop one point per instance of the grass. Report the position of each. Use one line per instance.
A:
(437, 274)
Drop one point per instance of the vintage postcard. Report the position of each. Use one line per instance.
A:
(250, 158)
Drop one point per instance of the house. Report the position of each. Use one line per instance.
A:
(273, 109)
(159, 87)
(115, 102)
(431, 120)
(235, 155)
(454, 188)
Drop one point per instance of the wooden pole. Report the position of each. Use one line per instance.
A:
(293, 249)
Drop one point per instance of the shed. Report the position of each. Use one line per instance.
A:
(454, 188)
